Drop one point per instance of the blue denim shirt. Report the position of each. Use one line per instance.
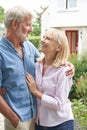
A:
(12, 77)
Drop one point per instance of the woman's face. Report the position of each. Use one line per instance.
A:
(48, 46)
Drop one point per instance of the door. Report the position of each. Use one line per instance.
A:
(72, 36)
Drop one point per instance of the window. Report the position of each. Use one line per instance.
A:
(59, 5)
(71, 4)
(67, 4)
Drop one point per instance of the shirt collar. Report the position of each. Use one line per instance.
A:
(7, 42)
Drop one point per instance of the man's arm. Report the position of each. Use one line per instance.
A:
(8, 112)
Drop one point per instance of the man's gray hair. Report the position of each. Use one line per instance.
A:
(17, 13)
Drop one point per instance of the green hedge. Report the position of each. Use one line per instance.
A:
(78, 94)
(80, 113)
(80, 78)
(35, 40)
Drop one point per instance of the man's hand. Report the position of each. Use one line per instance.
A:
(8, 112)
(14, 120)
(71, 71)
(2, 91)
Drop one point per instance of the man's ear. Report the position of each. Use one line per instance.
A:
(14, 24)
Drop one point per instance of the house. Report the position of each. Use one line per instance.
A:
(70, 16)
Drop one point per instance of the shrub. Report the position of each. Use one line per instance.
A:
(80, 113)
(35, 40)
(81, 87)
(80, 64)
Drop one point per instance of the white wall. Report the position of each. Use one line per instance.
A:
(71, 17)
(82, 40)
(63, 18)
(45, 22)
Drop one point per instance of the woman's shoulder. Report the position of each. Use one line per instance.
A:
(62, 69)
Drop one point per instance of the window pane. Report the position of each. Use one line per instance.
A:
(72, 3)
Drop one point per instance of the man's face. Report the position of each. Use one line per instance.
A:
(24, 29)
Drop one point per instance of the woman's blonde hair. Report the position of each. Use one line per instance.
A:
(61, 39)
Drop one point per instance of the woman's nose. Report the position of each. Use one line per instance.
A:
(42, 41)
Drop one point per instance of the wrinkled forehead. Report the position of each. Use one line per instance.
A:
(49, 31)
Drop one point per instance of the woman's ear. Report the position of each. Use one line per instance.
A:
(58, 48)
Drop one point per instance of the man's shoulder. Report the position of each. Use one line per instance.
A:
(28, 44)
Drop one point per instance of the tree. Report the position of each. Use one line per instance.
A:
(37, 24)
(1, 14)
(35, 35)
(36, 28)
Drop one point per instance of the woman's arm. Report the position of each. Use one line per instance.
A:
(32, 86)
(62, 91)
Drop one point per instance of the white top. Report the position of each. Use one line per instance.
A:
(54, 108)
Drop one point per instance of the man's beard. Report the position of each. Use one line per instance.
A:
(23, 37)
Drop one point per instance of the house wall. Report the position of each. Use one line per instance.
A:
(62, 18)
(45, 22)
(69, 17)
(84, 39)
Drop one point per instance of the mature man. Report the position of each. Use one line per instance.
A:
(17, 56)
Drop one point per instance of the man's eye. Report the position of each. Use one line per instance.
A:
(28, 25)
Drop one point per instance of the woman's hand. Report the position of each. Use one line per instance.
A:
(2, 91)
(71, 71)
(32, 86)
(31, 83)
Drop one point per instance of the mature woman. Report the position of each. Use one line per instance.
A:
(52, 86)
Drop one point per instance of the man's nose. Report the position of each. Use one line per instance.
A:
(30, 29)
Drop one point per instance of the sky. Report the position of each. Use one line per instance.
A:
(30, 4)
